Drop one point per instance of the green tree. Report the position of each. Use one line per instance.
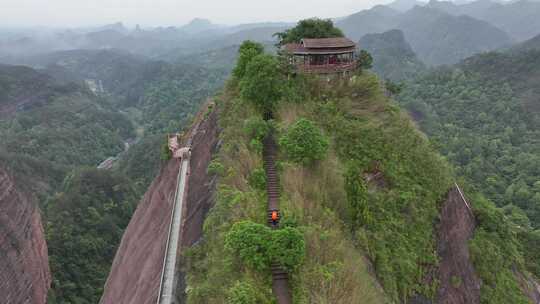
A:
(242, 293)
(394, 88)
(309, 28)
(251, 242)
(365, 60)
(288, 247)
(248, 50)
(357, 197)
(304, 143)
(263, 82)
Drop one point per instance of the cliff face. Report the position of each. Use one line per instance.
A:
(458, 280)
(136, 270)
(24, 266)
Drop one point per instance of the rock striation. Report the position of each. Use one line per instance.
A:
(25, 277)
(459, 282)
(135, 274)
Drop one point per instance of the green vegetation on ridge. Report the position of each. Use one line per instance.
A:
(343, 213)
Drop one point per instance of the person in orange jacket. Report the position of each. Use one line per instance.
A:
(275, 216)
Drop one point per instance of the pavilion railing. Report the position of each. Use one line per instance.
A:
(327, 68)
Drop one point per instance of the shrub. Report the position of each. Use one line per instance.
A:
(358, 208)
(365, 61)
(288, 247)
(248, 50)
(257, 245)
(256, 129)
(166, 153)
(304, 143)
(262, 82)
(215, 167)
(250, 241)
(242, 293)
(257, 179)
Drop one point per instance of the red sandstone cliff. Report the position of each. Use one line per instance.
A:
(136, 270)
(24, 266)
(458, 280)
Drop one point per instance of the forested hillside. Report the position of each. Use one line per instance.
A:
(357, 180)
(484, 116)
(80, 108)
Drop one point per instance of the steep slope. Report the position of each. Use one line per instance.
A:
(456, 274)
(365, 184)
(135, 274)
(24, 267)
(393, 57)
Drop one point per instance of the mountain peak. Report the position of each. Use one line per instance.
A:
(405, 5)
(198, 25)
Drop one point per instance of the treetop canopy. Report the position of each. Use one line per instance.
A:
(309, 28)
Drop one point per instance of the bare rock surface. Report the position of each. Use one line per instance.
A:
(459, 282)
(135, 274)
(25, 277)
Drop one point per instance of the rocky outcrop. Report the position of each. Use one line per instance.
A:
(24, 265)
(201, 184)
(529, 286)
(136, 270)
(458, 281)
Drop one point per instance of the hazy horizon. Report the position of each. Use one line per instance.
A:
(76, 13)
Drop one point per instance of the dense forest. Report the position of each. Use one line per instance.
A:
(55, 127)
(500, 94)
(86, 220)
(482, 117)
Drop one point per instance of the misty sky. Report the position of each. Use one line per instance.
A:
(57, 13)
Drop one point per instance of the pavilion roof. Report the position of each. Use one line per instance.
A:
(337, 45)
(337, 42)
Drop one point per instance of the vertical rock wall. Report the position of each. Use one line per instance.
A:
(459, 283)
(136, 270)
(25, 277)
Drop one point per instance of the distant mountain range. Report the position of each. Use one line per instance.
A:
(393, 57)
(436, 36)
(439, 32)
(520, 19)
(199, 35)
